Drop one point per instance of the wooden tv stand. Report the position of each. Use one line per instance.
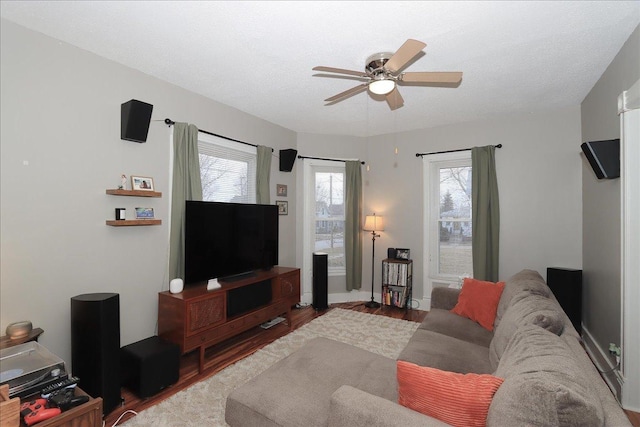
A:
(197, 318)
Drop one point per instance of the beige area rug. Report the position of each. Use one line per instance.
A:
(203, 403)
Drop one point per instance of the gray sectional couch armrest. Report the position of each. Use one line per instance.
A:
(353, 407)
(444, 298)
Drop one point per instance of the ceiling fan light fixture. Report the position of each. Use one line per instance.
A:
(382, 87)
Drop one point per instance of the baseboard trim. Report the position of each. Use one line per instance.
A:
(332, 298)
(355, 295)
(360, 295)
(603, 363)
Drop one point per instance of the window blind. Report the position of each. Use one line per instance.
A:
(227, 170)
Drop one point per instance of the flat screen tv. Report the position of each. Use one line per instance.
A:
(604, 157)
(227, 240)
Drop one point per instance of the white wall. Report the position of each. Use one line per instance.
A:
(60, 112)
(602, 298)
(539, 173)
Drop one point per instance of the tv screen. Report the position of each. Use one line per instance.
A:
(223, 240)
(604, 157)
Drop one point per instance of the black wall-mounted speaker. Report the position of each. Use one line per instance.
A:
(135, 117)
(95, 346)
(287, 159)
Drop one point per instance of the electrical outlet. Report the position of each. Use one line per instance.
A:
(614, 349)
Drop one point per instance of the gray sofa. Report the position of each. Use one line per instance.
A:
(548, 378)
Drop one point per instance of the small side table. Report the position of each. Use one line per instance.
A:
(6, 341)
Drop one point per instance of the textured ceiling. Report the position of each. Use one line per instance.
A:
(516, 56)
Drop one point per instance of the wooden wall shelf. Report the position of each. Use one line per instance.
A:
(132, 222)
(136, 193)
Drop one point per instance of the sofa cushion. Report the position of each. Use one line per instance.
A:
(526, 280)
(528, 309)
(544, 384)
(447, 323)
(461, 400)
(353, 407)
(478, 301)
(444, 298)
(306, 379)
(428, 348)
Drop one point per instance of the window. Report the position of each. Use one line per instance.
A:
(448, 217)
(227, 170)
(326, 220)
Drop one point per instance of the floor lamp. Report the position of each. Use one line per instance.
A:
(373, 223)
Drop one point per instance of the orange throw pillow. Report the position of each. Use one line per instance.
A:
(457, 399)
(478, 301)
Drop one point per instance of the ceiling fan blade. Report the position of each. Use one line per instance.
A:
(349, 92)
(394, 99)
(431, 77)
(340, 71)
(335, 76)
(407, 51)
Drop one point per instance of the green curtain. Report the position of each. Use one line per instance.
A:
(263, 172)
(353, 225)
(486, 213)
(186, 186)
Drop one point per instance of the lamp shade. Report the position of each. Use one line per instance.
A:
(373, 223)
(382, 87)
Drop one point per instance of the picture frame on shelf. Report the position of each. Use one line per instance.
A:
(402, 253)
(281, 190)
(283, 207)
(144, 213)
(142, 183)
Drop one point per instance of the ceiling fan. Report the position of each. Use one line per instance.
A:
(382, 75)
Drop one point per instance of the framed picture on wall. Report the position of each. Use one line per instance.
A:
(283, 207)
(281, 190)
(141, 183)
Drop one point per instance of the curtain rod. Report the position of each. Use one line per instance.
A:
(322, 158)
(170, 122)
(450, 151)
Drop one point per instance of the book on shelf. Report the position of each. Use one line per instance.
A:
(395, 295)
(396, 274)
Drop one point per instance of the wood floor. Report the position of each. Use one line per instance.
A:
(227, 353)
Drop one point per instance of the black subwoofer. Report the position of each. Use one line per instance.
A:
(150, 365)
(320, 280)
(566, 285)
(95, 346)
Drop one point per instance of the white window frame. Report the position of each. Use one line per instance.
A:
(205, 141)
(311, 166)
(431, 178)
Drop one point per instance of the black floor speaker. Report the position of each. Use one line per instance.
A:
(95, 346)
(320, 281)
(566, 285)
